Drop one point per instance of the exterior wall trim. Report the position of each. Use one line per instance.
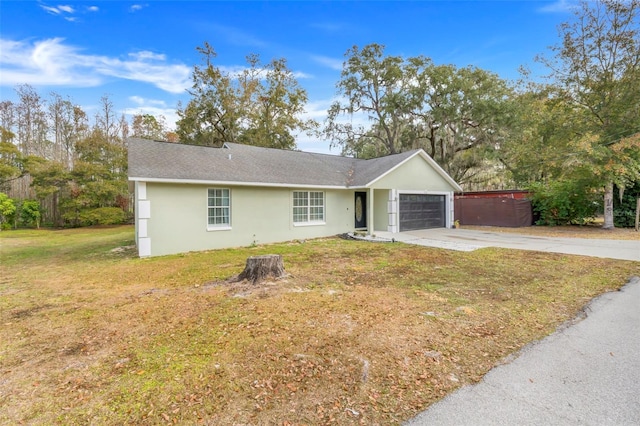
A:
(392, 211)
(143, 214)
(394, 207)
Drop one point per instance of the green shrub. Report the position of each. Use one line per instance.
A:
(7, 211)
(102, 216)
(624, 210)
(564, 203)
(30, 214)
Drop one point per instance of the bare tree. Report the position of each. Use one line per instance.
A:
(31, 123)
(106, 120)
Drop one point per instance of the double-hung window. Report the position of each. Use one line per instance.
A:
(308, 207)
(218, 208)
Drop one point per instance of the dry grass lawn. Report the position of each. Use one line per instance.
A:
(358, 333)
(586, 231)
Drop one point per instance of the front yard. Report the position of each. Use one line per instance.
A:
(358, 333)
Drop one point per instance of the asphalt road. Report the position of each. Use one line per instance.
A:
(463, 239)
(585, 374)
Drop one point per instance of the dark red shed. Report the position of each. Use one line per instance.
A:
(509, 208)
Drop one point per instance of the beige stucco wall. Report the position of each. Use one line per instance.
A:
(415, 174)
(136, 197)
(380, 209)
(178, 218)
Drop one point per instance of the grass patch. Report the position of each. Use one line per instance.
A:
(358, 332)
(593, 231)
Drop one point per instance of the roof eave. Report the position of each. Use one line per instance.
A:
(234, 183)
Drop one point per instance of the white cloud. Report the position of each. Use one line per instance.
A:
(58, 10)
(300, 74)
(138, 100)
(153, 107)
(317, 110)
(51, 10)
(560, 6)
(68, 12)
(145, 54)
(235, 71)
(170, 78)
(48, 62)
(308, 143)
(51, 62)
(137, 7)
(66, 8)
(334, 64)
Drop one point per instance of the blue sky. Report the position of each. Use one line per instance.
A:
(141, 54)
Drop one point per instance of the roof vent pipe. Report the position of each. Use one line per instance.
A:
(229, 156)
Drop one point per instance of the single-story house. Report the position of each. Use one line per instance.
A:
(190, 198)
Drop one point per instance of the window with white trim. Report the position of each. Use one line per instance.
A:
(308, 207)
(219, 207)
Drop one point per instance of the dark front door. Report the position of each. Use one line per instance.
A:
(361, 210)
(421, 211)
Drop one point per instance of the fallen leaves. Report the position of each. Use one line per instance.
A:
(359, 334)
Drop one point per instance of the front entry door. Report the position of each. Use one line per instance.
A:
(361, 210)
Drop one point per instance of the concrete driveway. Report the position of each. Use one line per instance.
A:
(585, 374)
(468, 240)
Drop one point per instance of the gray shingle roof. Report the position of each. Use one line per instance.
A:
(253, 165)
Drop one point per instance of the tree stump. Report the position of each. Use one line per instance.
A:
(260, 267)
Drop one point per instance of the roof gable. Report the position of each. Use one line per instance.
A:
(250, 165)
(425, 157)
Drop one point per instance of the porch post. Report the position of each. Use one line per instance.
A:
(452, 212)
(392, 211)
(370, 201)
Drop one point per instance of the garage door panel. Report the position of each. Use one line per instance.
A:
(421, 211)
